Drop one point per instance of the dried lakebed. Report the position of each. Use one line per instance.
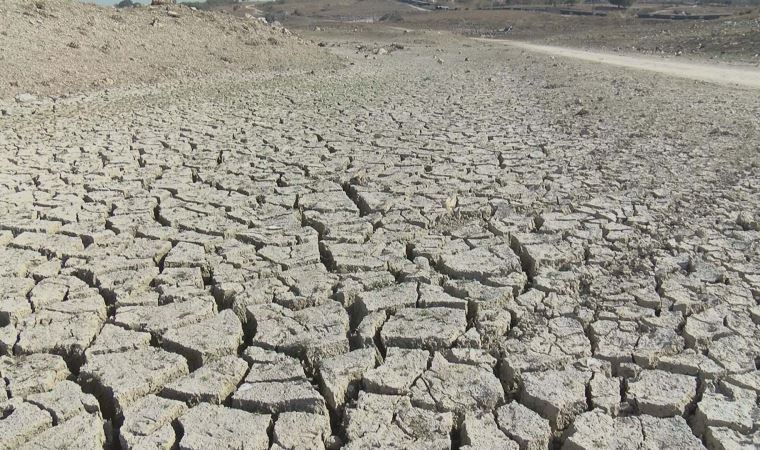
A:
(422, 250)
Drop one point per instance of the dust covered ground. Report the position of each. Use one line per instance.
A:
(734, 37)
(62, 46)
(436, 243)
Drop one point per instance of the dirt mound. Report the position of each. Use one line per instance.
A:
(57, 46)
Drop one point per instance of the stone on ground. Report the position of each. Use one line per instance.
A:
(148, 423)
(482, 431)
(433, 328)
(276, 383)
(120, 379)
(212, 383)
(212, 426)
(662, 394)
(457, 387)
(524, 426)
(557, 395)
(398, 372)
(207, 340)
(341, 376)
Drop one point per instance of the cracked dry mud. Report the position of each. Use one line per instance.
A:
(395, 254)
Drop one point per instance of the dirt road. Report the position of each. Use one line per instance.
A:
(721, 74)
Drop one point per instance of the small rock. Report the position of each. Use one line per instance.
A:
(218, 427)
(524, 426)
(24, 98)
(662, 394)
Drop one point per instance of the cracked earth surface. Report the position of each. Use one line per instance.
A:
(417, 251)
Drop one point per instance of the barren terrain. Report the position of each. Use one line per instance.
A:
(746, 76)
(732, 38)
(408, 239)
(60, 46)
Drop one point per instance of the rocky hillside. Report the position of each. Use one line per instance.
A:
(57, 46)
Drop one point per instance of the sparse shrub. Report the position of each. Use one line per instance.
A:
(211, 3)
(622, 3)
(126, 4)
(394, 16)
